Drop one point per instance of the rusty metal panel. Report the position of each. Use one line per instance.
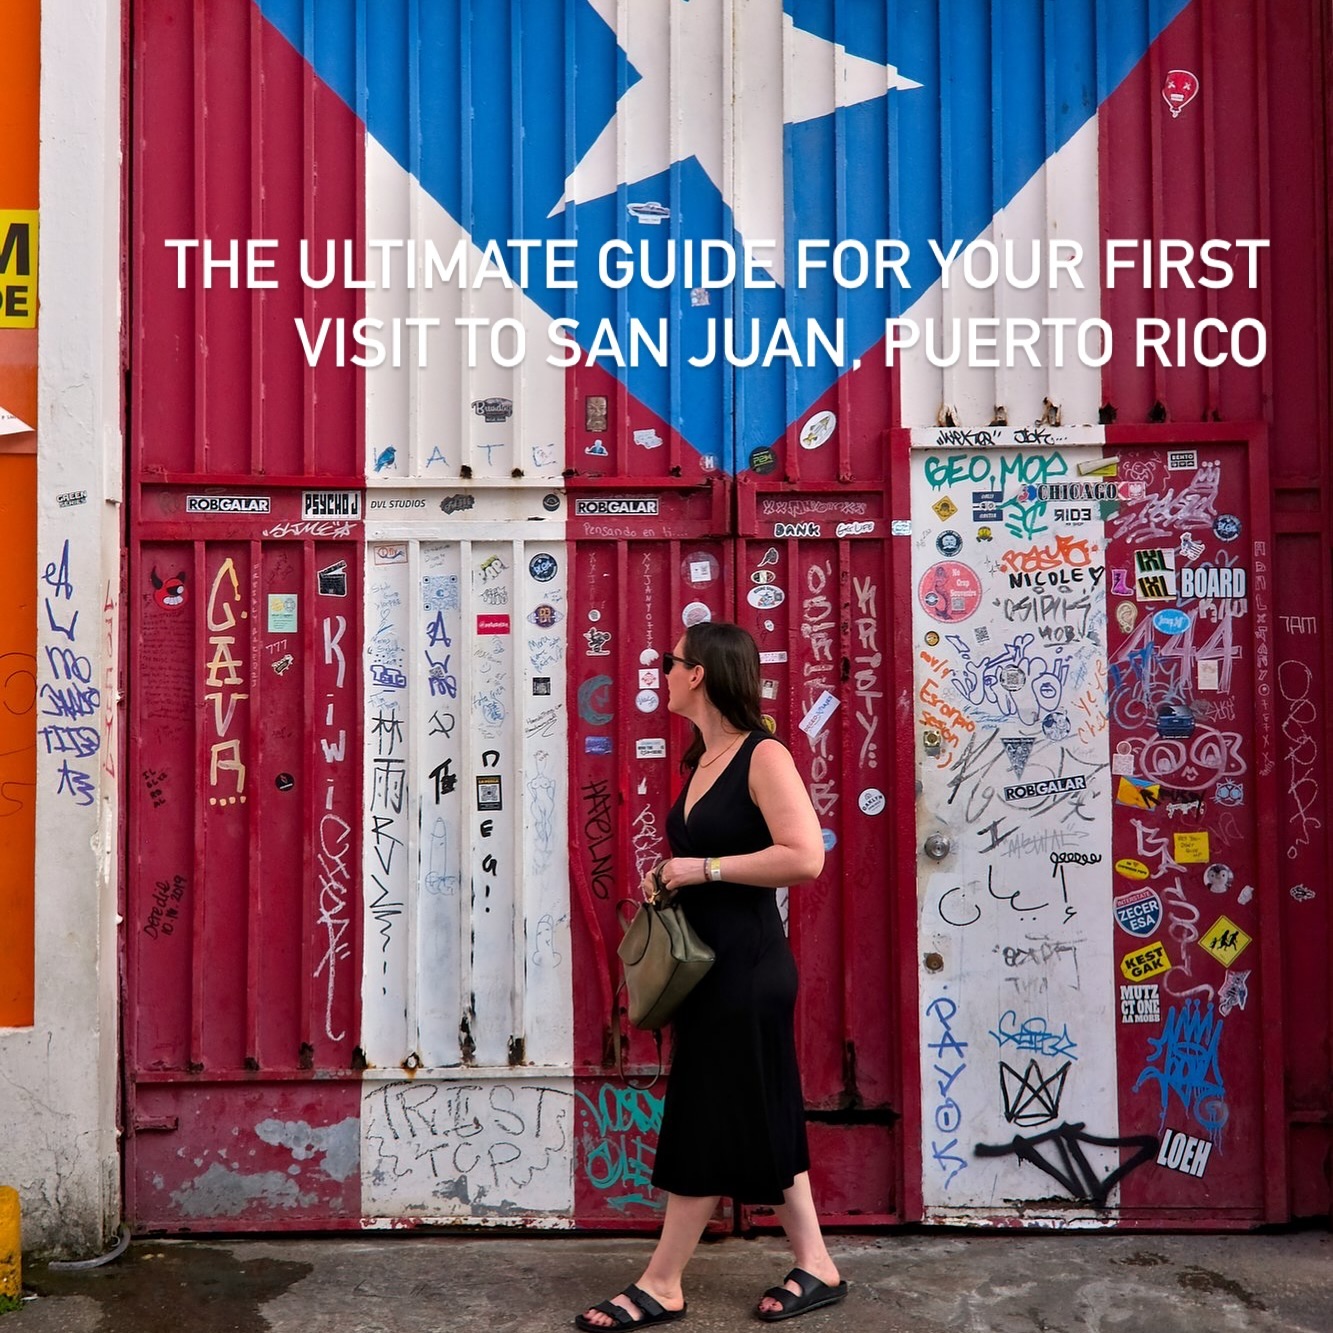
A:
(1191, 695)
(1299, 689)
(241, 923)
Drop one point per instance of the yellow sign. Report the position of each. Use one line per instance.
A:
(18, 268)
(1226, 941)
(945, 508)
(1191, 847)
(1146, 962)
(1132, 869)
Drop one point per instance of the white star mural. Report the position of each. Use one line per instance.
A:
(743, 71)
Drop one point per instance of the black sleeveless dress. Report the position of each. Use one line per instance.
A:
(734, 1119)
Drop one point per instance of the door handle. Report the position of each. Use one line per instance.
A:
(937, 846)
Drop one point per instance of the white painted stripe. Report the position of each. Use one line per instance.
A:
(1059, 202)
(427, 416)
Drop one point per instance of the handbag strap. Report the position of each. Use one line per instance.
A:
(662, 897)
(619, 1044)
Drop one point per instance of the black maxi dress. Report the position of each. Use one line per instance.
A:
(733, 1122)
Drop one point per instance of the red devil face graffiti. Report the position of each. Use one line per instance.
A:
(172, 592)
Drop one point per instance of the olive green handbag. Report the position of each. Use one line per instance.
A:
(663, 960)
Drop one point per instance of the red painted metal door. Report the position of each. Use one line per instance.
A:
(810, 577)
(814, 584)
(241, 910)
(646, 561)
(1098, 954)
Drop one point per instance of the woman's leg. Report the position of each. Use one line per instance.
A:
(800, 1221)
(686, 1217)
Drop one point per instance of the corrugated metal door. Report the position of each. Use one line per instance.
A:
(647, 560)
(243, 923)
(815, 587)
(810, 580)
(1093, 731)
(467, 1100)
(241, 918)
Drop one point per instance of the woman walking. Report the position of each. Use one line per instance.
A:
(734, 1121)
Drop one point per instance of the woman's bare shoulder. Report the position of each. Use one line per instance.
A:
(771, 754)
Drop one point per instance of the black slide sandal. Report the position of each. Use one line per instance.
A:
(652, 1311)
(814, 1296)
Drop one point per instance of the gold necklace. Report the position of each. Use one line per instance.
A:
(706, 763)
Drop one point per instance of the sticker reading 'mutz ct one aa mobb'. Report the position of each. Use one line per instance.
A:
(1147, 962)
(949, 591)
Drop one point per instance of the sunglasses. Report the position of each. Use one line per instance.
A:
(669, 660)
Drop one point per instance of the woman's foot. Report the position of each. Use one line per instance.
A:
(814, 1287)
(633, 1307)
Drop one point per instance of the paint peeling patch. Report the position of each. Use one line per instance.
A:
(340, 1143)
(222, 1193)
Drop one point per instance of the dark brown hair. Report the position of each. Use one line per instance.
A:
(730, 659)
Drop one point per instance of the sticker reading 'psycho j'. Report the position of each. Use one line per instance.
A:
(949, 591)
(1171, 620)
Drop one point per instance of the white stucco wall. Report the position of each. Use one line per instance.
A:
(58, 1079)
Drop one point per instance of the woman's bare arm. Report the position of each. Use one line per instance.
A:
(797, 853)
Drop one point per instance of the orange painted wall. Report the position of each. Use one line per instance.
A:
(18, 539)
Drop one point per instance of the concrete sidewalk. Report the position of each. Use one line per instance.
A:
(908, 1283)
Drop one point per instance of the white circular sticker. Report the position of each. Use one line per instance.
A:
(594, 615)
(646, 701)
(765, 597)
(649, 658)
(695, 613)
(817, 430)
(871, 801)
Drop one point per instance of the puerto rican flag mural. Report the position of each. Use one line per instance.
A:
(616, 315)
(541, 132)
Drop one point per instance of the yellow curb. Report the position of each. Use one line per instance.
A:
(11, 1253)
